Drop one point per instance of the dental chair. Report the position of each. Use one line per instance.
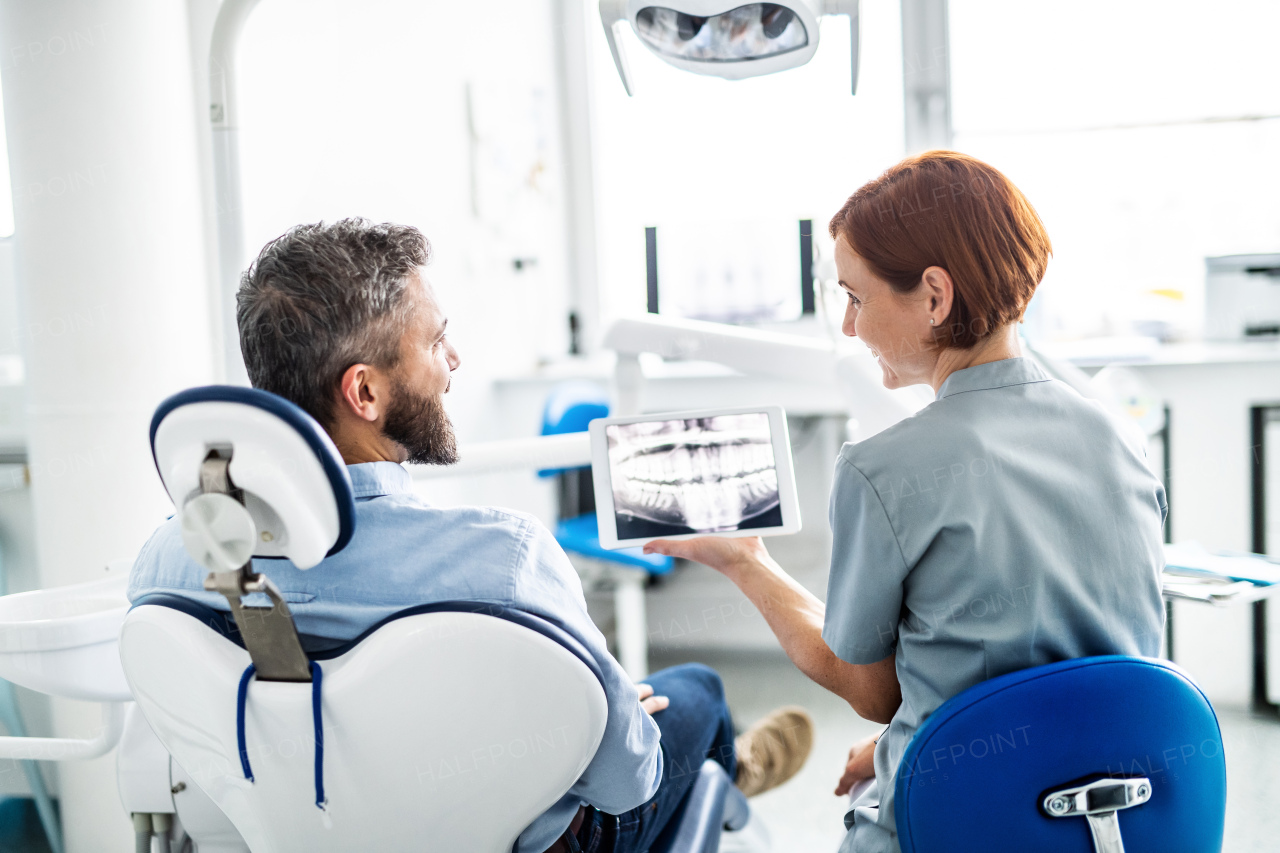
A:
(447, 726)
(1106, 754)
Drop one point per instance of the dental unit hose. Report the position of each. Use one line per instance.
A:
(162, 824)
(142, 833)
(146, 825)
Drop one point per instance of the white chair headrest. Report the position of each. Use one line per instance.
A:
(296, 489)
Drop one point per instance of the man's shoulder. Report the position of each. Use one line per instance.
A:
(163, 563)
(165, 538)
(489, 523)
(432, 538)
(473, 529)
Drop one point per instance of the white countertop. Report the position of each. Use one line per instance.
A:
(1135, 351)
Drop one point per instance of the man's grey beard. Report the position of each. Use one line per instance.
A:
(419, 424)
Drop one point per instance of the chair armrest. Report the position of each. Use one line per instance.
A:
(712, 805)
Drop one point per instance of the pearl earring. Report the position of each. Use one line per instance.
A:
(930, 321)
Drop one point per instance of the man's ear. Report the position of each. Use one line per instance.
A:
(939, 290)
(360, 392)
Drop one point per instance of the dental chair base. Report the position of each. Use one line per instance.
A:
(164, 801)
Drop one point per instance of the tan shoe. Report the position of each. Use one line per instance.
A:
(773, 750)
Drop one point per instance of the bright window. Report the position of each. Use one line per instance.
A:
(1144, 132)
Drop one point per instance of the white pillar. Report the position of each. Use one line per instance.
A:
(101, 127)
(926, 75)
(631, 622)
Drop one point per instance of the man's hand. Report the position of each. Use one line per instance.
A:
(652, 704)
(720, 553)
(861, 765)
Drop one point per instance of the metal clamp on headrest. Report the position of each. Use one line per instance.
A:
(1098, 802)
(290, 498)
(220, 534)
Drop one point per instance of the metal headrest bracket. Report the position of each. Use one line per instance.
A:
(268, 632)
(1098, 802)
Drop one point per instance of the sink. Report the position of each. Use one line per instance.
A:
(64, 641)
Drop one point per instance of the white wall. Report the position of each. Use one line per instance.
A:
(433, 114)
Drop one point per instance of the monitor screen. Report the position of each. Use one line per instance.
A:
(693, 475)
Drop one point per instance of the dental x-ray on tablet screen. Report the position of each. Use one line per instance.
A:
(723, 472)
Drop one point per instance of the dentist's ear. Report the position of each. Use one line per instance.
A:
(939, 291)
(361, 393)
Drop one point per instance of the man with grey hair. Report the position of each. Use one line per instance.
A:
(340, 319)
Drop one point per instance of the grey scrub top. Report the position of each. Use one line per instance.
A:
(1008, 524)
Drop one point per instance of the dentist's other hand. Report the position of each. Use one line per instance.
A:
(861, 765)
(651, 704)
(723, 554)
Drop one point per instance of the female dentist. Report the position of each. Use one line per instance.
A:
(1006, 525)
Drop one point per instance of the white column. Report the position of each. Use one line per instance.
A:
(926, 75)
(631, 621)
(98, 103)
(574, 19)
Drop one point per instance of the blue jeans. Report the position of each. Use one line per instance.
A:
(695, 726)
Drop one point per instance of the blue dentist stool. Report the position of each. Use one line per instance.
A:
(1106, 754)
(570, 408)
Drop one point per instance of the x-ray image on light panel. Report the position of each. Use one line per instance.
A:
(695, 475)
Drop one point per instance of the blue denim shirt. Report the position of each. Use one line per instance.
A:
(407, 552)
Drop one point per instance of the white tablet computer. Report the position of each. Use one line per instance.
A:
(725, 472)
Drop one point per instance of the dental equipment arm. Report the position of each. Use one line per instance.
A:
(850, 8)
(570, 450)
(225, 120)
(756, 352)
(612, 14)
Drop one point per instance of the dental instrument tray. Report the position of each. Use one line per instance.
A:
(721, 472)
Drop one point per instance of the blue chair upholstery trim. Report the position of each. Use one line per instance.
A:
(317, 720)
(326, 648)
(242, 698)
(317, 675)
(315, 436)
(980, 765)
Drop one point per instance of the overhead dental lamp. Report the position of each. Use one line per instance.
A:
(726, 38)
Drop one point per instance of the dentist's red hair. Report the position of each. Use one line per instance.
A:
(950, 210)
